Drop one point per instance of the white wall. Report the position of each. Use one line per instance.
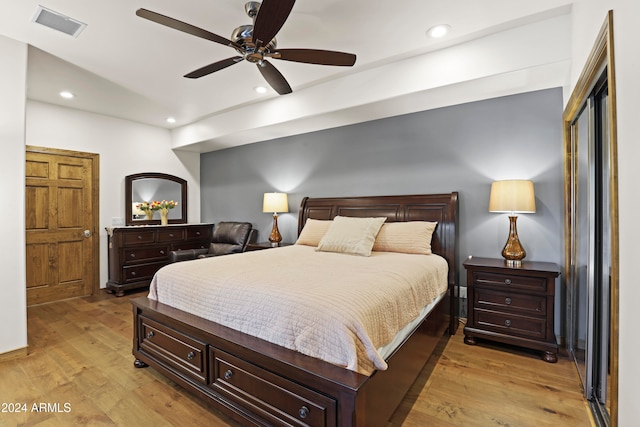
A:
(124, 147)
(588, 18)
(13, 312)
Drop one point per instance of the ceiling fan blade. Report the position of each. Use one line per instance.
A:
(314, 56)
(212, 68)
(274, 78)
(270, 18)
(183, 26)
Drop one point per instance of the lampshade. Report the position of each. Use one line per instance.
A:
(514, 195)
(275, 202)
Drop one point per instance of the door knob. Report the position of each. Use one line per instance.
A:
(87, 233)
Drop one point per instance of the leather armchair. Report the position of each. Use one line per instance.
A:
(228, 238)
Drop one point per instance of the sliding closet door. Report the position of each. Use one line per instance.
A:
(591, 229)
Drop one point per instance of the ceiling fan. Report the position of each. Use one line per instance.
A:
(255, 43)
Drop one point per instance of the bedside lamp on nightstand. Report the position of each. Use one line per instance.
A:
(275, 202)
(512, 196)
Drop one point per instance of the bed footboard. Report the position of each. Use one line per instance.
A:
(259, 383)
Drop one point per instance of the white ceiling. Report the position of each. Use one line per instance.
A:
(125, 66)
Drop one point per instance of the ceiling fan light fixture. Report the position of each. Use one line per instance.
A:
(171, 120)
(438, 31)
(260, 89)
(66, 94)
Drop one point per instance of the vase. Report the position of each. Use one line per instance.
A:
(149, 215)
(164, 216)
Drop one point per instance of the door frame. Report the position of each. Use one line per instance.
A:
(95, 202)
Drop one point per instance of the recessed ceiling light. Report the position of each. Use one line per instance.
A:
(438, 31)
(67, 95)
(260, 89)
(171, 120)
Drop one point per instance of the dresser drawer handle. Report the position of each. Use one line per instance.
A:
(132, 255)
(171, 235)
(507, 281)
(197, 233)
(191, 355)
(507, 322)
(133, 273)
(150, 335)
(507, 301)
(161, 252)
(139, 237)
(303, 412)
(228, 374)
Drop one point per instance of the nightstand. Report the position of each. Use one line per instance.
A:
(258, 246)
(513, 305)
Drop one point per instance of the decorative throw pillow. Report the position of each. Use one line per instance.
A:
(351, 235)
(412, 237)
(312, 232)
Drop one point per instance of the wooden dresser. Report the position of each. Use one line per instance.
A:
(513, 305)
(136, 253)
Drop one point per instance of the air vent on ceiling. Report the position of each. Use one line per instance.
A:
(57, 21)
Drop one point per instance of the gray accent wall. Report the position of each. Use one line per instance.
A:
(460, 148)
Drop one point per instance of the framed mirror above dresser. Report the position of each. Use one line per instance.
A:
(150, 186)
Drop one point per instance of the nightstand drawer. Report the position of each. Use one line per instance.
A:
(510, 281)
(511, 324)
(504, 301)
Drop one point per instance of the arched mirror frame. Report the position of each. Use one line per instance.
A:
(128, 198)
(601, 57)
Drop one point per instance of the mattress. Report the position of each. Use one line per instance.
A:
(340, 308)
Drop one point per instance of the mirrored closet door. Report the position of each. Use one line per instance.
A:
(591, 265)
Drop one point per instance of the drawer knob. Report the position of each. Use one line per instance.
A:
(507, 300)
(139, 237)
(303, 412)
(161, 252)
(133, 255)
(171, 235)
(191, 355)
(507, 281)
(133, 273)
(228, 374)
(150, 334)
(507, 322)
(197, 233)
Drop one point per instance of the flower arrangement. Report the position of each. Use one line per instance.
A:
(150, 207)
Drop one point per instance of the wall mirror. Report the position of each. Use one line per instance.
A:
(150, 186)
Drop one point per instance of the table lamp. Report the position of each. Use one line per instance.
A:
(275, 202)
(512, 196)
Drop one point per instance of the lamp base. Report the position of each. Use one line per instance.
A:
(513, 252)
(275, 238)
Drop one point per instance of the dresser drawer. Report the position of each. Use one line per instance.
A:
(138, 237)
(509, 323)
(171, 234)
(146, 254)
(173, 349)
(533, 305)
(136, 273)
(199, 232)
(510, 281)
(271, 397)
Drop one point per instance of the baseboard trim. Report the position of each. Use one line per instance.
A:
(14, 354)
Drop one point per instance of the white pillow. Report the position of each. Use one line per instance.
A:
(351, 235)
(313, 231)
(412, 237)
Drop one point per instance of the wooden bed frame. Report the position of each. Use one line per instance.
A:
(259, 383)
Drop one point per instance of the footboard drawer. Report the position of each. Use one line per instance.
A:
(173, 349)
(277, 400)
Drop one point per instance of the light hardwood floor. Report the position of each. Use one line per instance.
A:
(80, 368)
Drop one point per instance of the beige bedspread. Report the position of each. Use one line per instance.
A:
(336, 307)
